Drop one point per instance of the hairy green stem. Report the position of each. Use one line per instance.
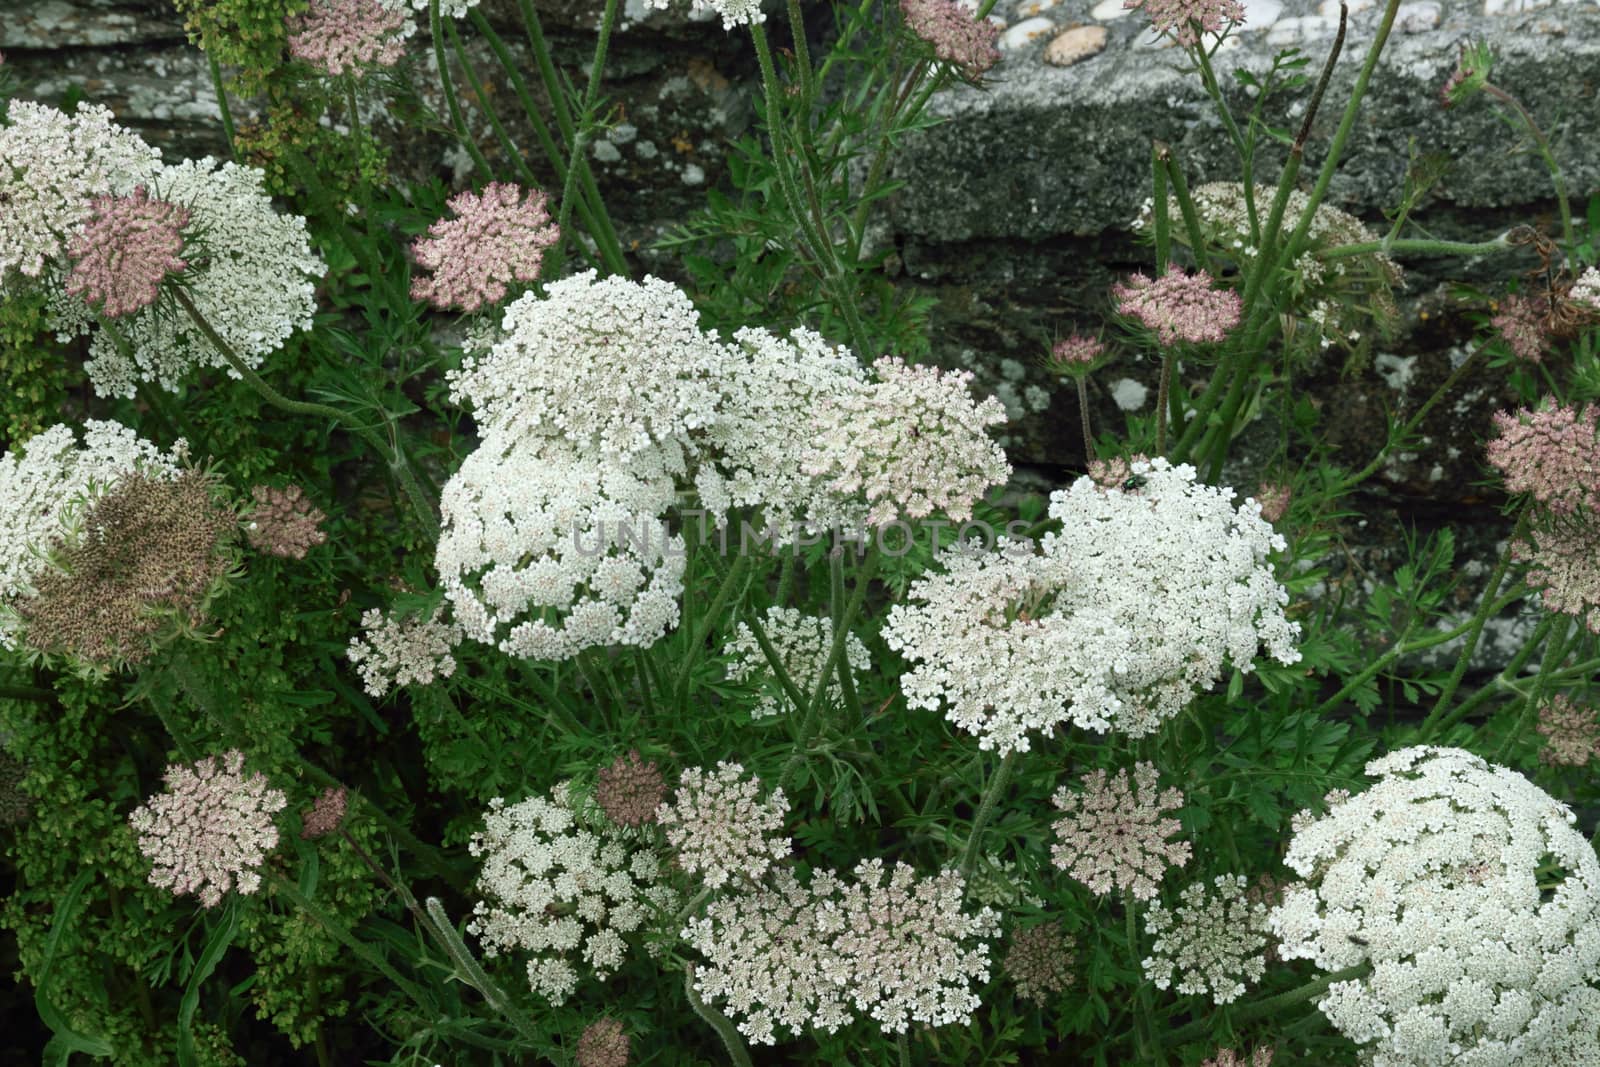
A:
(733, 580)
(986, 806)
(1419, 247)
(585, 125)
(223, 110)
(1262, 1008)
(717, 1021)
(1083, 412)
(1557, 178)
(457, 124)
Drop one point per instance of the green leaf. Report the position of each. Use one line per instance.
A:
(66, 1040)
(216, 945)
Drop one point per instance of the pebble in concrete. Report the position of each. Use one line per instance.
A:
(1418, 17)
(1025, 33)
(1109, 11)
(1259, 14)
(1029, 8)
(1075, 45)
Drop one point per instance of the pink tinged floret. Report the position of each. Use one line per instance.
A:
(1180, 17)
(1079, 350)
(1520, 323)
(1550, 454)
(957, 37)
(129, 245)
(498, 236)
(1179, 306)
(210, 831)
(341, 35)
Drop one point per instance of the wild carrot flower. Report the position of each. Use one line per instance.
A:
(341, 35)
(325, 814)
(603, 1044)
(125, 250)
(719, 827)
(1474, 899)
(1520, 323)
(139, 567)
(1470, 75)
(630, 790)
(965, 42)
(1227, 1057)
(498, 236)
(1179, 306)
(1550, 453)
(283, 522)
(1563, 558)
(1180, 17)
(1274, 499)
(1040, 962)
(1216, 939)
(210, 831)
(1114, 831)
(802, 643)
(395, 650)
(1586, 290)
(733, 12)
(1076, 353)
(1571, 732)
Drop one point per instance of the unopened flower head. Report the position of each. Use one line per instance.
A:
(1550, 453)
(397, 650)
(1130, 610)
(1470, 75)
(1215, 939)
(255, 285)
(1473, 898)
(1274, 498)
(1114, 831)
(283, 522)
(1182, 17)
(138, 568)
(803, 643)
(1180, 307)
(1076, 354)
(44, 484)
(52, 167)
(129, 245)
(603, 1043)
(210, 831)
(544, 553)
(326, 813)
(898, 947)
(1571, 732)
(913, 441)
(349, 35)
(1520, 324)
(630, 790)
(721, 829)
(564, 886)
(613, 367)
(965, 42)
(1040, 962)
(498, 237)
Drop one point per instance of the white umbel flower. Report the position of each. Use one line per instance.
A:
(1476, 903)
(44, 483)
(802, 643)
(1126, 614)
(733, 12)
(1216, 939)
(52, 166)
(564, 886)
(252, 275)
(720, 827)
(545, 554)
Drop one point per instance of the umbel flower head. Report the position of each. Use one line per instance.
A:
(140, 567)
(210, 831)
(1113, 833)
(44, 484)
(1563, 557)
(1075, 355)
(721, 829)
(802, 643)
(1571, 732)
(340, 35)
(560, 883)
(1470, 75)
(396, 649)
(630, 790)
(1550, 453)
(1180, 307)
(1040, 962)
(887, 942)
(125, 250)
(1125, 614)
(733, 12)
(283, 523)
(603, 1043)
(498, 236)
(1520, 324)
(961, 40)
(1476, 903)
(326, 813)
(1227, 1057)
(1586, 290)
(1182, 18)
(1216, 939)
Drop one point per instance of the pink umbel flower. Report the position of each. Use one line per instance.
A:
(1520, 323)
(630, 790)
(498, 236)
(326, 813)
(1564, 565)
(957, 38)
(341, 35)
(1550, 454)
(128, 246)
(210, 831)
(1179, 306)
(1227, 1057)
(1113, 832)
(1274, 498)
(1180, 17)
(603, 1044)
(721, 829)
(1571, 732)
